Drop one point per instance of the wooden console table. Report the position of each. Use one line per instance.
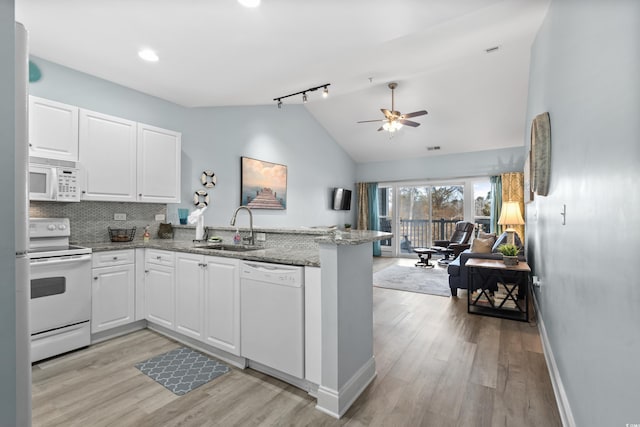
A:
(498, 290)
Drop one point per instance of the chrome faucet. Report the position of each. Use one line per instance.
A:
(233, 222)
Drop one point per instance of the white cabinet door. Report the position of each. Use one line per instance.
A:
(159, 294)
(53, 129)
(113, 297)
(189, 298)
(222, 303)
(158, 165)
(107, 157)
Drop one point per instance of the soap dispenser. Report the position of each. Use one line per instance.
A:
(237, 238)
(146, 234)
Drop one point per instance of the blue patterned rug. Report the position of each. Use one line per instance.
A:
(182, 370)
(434, 281)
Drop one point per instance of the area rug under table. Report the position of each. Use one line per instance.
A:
(433, 281)
(182, 369)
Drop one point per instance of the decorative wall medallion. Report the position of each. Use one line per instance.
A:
(541, 153)
(201, 199)
(208, 179)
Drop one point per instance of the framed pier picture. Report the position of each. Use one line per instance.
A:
(263, 184)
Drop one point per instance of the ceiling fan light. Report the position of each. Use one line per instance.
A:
(392, 126)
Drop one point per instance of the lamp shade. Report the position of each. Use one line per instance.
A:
(510, 214)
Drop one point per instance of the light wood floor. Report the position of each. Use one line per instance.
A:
(437, 366)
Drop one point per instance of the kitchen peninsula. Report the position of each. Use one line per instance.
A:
(338, 302)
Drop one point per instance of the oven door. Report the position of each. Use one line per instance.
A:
(42, 182)
(60, 292)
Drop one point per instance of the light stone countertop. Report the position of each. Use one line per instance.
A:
(280, 255)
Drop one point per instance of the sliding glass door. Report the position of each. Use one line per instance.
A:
(427, 213)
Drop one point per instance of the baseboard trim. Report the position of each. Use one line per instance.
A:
(336, 403)
(564, 408)
(118, 331)
(232, 359)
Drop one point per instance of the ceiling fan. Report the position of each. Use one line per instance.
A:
(394, 120)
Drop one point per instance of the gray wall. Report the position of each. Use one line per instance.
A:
(7, 239)
(585, 70)
(479, 163)
(216, 138)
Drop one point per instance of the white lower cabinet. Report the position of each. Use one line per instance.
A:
(159, 288)
(113, 290)
(222, 303)
(189, 295)
(208, 300)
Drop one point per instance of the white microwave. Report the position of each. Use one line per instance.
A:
(53, 180)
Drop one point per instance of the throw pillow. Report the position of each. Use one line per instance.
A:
(482, 246)
(483, 235)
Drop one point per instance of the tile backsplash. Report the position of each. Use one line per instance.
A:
(89, 220)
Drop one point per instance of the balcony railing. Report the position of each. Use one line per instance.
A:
(414, 233)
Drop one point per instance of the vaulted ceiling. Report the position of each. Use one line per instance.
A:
(218, 53)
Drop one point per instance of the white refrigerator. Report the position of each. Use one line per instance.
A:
(23, 284)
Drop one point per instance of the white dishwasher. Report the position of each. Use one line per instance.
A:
(272, 315)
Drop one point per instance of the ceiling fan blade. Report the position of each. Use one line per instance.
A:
(388, 114)
(371, 121)
(414, 114)
(409, 123)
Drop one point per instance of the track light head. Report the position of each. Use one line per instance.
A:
(279, 103)
(325, 92)
(304, 97)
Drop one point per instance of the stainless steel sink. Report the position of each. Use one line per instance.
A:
(231, 248)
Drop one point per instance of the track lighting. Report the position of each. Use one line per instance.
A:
(305, 97)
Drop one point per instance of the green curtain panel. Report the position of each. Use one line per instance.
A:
(368, 215)
(374, 217)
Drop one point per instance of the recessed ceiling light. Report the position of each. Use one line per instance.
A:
(148, 55)
(249, 3)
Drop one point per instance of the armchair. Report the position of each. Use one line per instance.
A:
(458, 242)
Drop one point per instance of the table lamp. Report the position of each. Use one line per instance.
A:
(510, 215)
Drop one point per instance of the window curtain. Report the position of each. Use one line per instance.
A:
(496, 203)
(513, 191)
(368, 215)
(374, 217)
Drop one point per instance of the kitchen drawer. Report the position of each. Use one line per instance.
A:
(111, 258)
(155, 256)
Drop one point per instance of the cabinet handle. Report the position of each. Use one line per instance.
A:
(158, 257)
(95, 278)
(140, 195)
(115, 258)
(146, 271)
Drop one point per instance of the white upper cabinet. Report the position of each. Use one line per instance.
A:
(125, 161)
(158, 165)
(107, 157)
(53, 129)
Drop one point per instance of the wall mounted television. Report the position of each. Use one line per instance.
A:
(341, 199)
